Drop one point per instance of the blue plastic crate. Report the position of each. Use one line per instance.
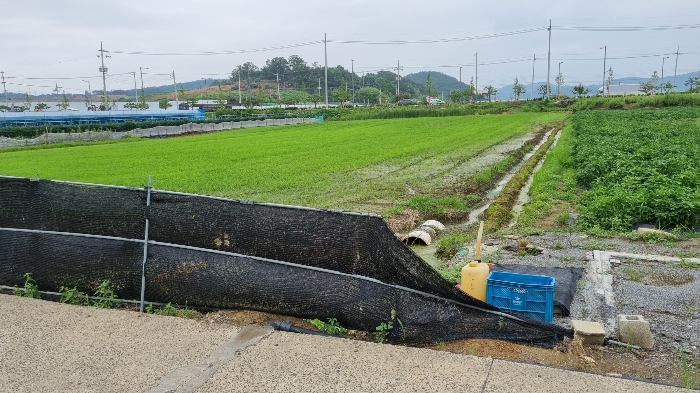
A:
(522, 294)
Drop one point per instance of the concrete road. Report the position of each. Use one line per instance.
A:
(51, 347)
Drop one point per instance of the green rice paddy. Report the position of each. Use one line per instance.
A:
(332, 164)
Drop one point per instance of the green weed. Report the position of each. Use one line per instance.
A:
(30, 288)
(171, 310)
(106, 296)
(632, 273)
(563, 219)
(452, 274)
(684, 263)
(450, 244)
(688, 367)
(382, 332)
(73, 296)
(330, 327)
(686, 254)
(594, 244)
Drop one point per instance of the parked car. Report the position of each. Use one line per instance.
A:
(407, 101)
(435, 101)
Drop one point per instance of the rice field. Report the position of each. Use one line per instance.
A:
(332, 164)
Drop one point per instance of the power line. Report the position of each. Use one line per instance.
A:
(46, 65)
(214, 53)
(439, 40)
(626, 28)
(62, 78)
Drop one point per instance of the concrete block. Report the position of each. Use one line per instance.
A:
(635, 330)
(590, 333)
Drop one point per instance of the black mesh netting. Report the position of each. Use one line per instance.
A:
(302, 262)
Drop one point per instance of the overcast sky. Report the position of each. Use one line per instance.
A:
(55, 40)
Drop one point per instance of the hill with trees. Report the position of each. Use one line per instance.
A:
(441, 84)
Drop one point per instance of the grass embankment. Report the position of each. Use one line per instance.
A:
(500, 212)
(619, 168)
(637, 102)
(554, 191)
(369, 165)
(450, 109)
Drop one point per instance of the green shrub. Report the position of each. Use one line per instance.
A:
(450, 244)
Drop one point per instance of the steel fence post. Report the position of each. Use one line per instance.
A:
(145, 244)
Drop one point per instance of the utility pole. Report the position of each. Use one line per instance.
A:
(663, 59)
(141, 71)
(277, 74)
(103, 70)
(532, 84)
(476, 77)
(89, 92)
(549, 56)
(363, 79)
(240, 95)
(398, 77)
(460, 74)
(676, 68)
(605, 57)
(325, 52)
(3, 86)
(177, 102)
(319, 87)
(352, 77)
(248, 91)
(136, 92)
(559, 76)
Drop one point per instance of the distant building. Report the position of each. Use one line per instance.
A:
(621, 90)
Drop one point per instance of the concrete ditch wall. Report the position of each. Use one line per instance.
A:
(155, 132)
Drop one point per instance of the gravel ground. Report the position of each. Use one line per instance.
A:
(666, 294)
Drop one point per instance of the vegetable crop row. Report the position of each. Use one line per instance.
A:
(638, 166)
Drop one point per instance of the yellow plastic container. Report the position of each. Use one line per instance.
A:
(474, 275)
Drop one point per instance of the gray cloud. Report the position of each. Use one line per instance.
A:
(36, 35)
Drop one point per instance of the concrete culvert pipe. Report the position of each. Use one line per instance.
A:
(424, 234)
(419, 237)
(434, 224)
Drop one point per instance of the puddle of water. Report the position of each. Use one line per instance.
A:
(428, 254)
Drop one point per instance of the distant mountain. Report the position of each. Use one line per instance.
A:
(442, 83)
(198, 84)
